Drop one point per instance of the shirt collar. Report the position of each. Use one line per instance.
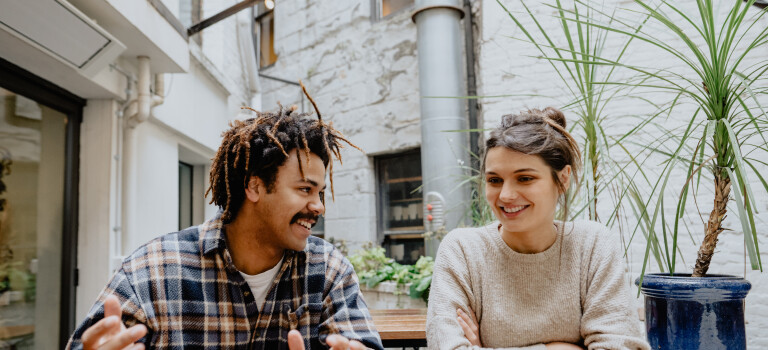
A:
(212, 234)
(212, 237)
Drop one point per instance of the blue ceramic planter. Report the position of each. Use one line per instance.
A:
(683, 312)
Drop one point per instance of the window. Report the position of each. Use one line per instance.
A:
(264, 33)
(386, 8)
(192, 179)
(191, 13)
(185, 195)
(400, 208)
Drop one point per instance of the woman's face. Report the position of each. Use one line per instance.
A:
(520, 189)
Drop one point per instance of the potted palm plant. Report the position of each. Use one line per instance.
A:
(721, 149)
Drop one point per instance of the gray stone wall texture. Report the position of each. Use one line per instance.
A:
(363, 74)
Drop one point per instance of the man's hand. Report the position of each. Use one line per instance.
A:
(562, 346)
(110, 333)
(469, 326)
(335, 341)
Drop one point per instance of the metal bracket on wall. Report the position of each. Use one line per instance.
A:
(197, 27)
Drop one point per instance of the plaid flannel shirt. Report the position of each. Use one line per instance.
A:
(185, 288)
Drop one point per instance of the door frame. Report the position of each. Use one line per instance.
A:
(23, 82)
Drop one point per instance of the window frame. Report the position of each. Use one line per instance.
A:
(190, 186)
(199, 166)
(258, 13)
(382, 197)
(376, 10)
(196, 15)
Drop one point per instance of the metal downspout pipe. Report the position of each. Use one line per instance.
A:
(444, 154)
(138, 111)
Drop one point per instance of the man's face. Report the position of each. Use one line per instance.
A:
(287, 213)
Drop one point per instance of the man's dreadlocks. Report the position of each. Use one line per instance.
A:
(258, 146)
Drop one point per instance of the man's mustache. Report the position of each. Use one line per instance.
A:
(307, 216)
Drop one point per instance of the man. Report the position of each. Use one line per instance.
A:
(252, 276)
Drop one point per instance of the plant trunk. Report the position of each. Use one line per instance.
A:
(714, 226)
(595, 179)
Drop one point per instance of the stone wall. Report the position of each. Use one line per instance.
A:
(363, 74)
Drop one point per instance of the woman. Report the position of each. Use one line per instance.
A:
(526, 280)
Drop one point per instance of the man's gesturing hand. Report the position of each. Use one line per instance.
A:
(335, 341)
(110, 333)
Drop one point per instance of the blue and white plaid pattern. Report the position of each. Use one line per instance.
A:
(184, 287)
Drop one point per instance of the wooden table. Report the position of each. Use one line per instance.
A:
(401, 327)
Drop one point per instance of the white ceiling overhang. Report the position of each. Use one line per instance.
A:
(73, 43)
(61, 31)
(143, 30)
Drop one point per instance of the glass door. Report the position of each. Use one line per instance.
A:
(32, 139)
(38, 138)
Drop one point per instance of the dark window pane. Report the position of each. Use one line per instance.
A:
(185, 195)
(401, 197)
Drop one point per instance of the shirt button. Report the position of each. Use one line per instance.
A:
(247, 293)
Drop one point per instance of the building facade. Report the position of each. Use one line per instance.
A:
(111, 114)
(109, 148)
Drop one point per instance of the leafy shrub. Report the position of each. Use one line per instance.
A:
(373, 267)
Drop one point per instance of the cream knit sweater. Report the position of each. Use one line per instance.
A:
(574, 291)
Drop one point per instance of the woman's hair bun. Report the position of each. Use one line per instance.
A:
(555, 115)
(534, 116)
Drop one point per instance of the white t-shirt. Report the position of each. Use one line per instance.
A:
(260, 283)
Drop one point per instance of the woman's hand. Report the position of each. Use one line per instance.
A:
(469, 326)
(563, 346)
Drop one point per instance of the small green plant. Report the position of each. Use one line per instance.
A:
(14, 277)
(340, 244)
(438, 234)
(373, 267)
